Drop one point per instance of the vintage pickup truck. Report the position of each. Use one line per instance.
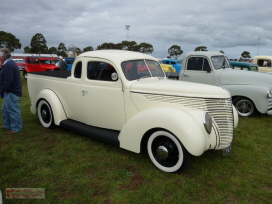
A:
(124, 98)
(251, 91)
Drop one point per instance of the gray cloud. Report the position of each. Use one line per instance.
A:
(231, 26)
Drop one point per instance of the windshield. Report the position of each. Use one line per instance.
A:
(137, 69)
(220, 62)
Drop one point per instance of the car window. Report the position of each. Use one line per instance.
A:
(198, 64)
(137, 69)
(78, 70)
(100, 71)
(220, 62)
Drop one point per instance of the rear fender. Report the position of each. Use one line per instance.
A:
(54, 102)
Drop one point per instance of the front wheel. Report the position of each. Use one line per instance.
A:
(45, 114)
(244, 106)
(166, 152)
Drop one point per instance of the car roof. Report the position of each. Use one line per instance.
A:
(242, 63)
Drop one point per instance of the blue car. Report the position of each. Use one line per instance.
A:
(244, 66)
(177, 64)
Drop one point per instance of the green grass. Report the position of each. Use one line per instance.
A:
(77, 169)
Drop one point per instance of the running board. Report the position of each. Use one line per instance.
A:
(105, 135)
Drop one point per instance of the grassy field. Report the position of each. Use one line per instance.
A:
(77, 169)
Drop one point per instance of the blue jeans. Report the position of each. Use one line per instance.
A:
(11, 113)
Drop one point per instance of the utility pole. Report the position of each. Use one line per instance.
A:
(127, 27)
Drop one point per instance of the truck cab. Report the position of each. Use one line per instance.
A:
(251, 91)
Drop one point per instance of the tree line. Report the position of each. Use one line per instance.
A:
(38, 46)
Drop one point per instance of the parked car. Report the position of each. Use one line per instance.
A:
(263, 62)
(177, 64)
(20, 63)
(166, 67)
(251, 91)
(244, 66)
(124, 98)
(40, 64)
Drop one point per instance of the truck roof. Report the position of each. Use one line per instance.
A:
(205, 53)
(117, 55)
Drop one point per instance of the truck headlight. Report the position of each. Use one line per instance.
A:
(269, 93)
(207, 121)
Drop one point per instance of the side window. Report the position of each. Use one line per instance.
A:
(29, 61)
(195, 63)
(198, 64)
(100, 71)
(36, 61)
(206, 66)
(78, 70)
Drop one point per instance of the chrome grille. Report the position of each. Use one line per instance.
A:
(269, 103)
(219, 109)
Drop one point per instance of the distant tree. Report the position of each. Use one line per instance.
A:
(89, 48)
(38, 44)
(246, 54)
(106, 46)
(7, 40)
(145, 48)
(222, 51)
(62, 50)
(175, 51)
(53, 50)
(27, 49)
(127, 45)
(201, 48)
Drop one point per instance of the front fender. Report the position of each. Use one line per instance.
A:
(186, 125)
(54, 102)
(256, 93)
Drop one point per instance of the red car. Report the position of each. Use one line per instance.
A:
(40, 64)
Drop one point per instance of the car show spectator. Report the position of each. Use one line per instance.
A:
(10, 91)
(62, 64)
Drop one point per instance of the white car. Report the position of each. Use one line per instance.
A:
(124, 98)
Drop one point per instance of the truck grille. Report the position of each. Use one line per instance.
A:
(219, 109)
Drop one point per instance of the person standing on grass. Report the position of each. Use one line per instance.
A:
(62, 64)
(10, 91)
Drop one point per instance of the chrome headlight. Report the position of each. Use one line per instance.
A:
(207, 121)
(269, 93)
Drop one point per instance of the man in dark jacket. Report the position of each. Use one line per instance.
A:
(62, 64)
(11, 91)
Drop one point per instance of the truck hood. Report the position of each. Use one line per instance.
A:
(233, 77)
(178, 88)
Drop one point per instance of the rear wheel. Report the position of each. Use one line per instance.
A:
(244, 106)
(166, 152)
(25, 75)
(45, 114)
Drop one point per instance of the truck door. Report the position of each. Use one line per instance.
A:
(103, 99)
(197, 69)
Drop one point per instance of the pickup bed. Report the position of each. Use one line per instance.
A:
(251, 91)
(124, 98)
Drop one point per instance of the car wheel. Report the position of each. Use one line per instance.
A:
(166, 152)
(45, 114)
(25, 75)
(244, 106)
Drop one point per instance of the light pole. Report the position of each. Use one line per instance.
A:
(258, 46)
(127, 27)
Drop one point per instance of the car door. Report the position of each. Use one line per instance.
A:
(198, 70)
(103, 98)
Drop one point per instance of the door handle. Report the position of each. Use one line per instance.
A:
(186, 75)
(84, 92)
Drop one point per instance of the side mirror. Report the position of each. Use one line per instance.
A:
(114, 76)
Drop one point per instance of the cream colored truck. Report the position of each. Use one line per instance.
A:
(124, 98)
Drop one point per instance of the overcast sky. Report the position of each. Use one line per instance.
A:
(233, 26)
